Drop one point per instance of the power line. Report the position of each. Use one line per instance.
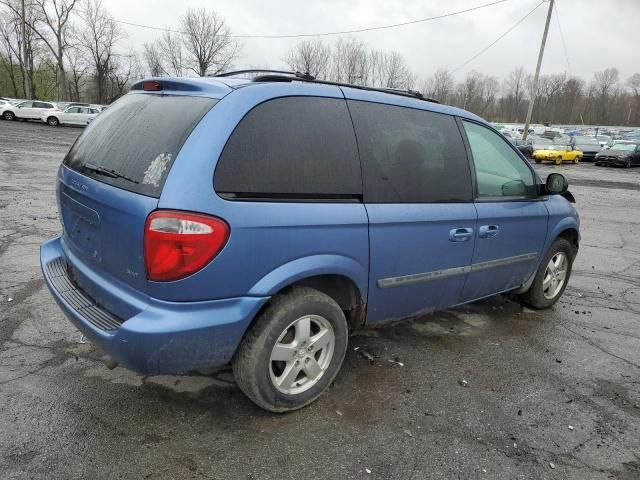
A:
(343, 32)
(497, 39)
(564, 48)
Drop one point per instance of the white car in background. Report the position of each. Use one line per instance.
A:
(27, 110)
(73, 115)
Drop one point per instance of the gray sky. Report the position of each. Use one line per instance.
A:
(598, 33)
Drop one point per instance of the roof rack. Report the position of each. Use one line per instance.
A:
(270, 72)
(289, 76)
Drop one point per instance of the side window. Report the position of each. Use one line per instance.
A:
(410, 155)
(291, 147)
(500, 172)
(41, 105)
(74, 110)
(26, 104)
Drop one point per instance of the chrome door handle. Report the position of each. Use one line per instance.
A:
(488, 231)
(460, 234)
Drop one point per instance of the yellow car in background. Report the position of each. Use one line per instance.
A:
(557, 154)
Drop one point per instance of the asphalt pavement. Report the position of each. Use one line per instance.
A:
(487, 391)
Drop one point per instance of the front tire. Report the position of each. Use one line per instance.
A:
(558, 160)
(552, 276)
(9, 116)
(53, 121)
(293, 351)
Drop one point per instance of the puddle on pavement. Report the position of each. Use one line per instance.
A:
(496, 315)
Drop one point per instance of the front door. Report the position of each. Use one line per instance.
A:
(26, 110)
(417, 192)
(71, 115)
(512, 219)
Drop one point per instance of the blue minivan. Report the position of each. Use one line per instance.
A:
(258, 221)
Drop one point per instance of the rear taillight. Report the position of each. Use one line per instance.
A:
(178, 244)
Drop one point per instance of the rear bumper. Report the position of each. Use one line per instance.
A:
(161, 337)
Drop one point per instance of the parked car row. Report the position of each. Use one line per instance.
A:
(53, 114)
(559, 147)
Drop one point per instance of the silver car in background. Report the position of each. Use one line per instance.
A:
(27, 110)
(73, 115)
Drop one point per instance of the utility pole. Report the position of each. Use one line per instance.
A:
(534, 87)
(25, 76)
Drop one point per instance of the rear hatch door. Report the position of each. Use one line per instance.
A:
(113, 175)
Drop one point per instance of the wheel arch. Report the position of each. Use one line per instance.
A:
(341, 278)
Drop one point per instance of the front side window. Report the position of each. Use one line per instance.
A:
(500, 172)
(292, 147)
(410, 155)
(26, 104)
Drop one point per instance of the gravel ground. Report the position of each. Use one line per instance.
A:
(553, 394)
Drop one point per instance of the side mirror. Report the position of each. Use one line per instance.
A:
(556, 184)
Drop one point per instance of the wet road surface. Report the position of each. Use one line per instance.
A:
(552, 394)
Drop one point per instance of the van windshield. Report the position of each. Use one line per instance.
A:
(133, 144)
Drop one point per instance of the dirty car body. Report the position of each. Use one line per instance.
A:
(171, 164)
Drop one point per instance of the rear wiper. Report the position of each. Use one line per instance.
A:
(107, 173)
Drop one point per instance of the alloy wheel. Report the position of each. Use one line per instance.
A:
(302, 354)
(555, 275)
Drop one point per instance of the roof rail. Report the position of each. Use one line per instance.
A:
(270, 72)
(288, 76)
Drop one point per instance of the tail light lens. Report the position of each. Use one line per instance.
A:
(178, 244)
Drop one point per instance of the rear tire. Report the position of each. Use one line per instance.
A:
(538, 160)
(627, 163)
(546, 288)
(278, 332)
(53, 121)
(9, 116)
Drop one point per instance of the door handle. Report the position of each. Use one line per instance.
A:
(460, 234)
(488, 231)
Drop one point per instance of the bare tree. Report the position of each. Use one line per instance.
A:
(98, 38)
(170, 46)
(124, 69)
(440, 86)
(350, 62)
(51, 25)
(22, 50)
(209, 47)
(391, 71)
(8, 59)
(310, 56)
(153, 60)
(633, 82)
(514, 88)
(77, 74)
(605, 85)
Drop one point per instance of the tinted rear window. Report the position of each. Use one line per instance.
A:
(410, 155)
(133, 144)
(292, 147)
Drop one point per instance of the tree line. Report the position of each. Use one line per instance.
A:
(561, 98)
(76, 50)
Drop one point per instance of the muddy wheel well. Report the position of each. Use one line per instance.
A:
(571, 235)
(343, 290)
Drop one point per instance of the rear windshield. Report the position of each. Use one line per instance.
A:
(133, 144)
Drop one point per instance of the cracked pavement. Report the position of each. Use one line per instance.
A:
(531, 375)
